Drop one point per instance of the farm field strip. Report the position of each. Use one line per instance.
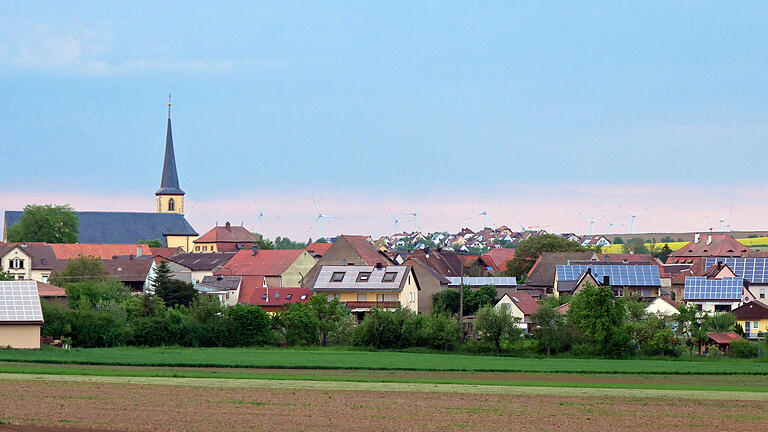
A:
(381, 360)
(394, 387)
(752, 384)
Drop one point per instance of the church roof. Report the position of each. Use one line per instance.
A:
(170, 181)
(123, 227)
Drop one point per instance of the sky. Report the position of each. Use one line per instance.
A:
(533, 111)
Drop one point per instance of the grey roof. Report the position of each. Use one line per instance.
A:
(349, 283)
(203, 261)
(480, 281)
(170, 181)
(219, 283)
(43, 256)
(20, 302)
(123, 227)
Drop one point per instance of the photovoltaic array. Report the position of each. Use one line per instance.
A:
(755, 270)
(618, 275)
(701, 288)
(20, 302)
(480, 281)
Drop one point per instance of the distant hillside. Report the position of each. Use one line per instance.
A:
(686, 236)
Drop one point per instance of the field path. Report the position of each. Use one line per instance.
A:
(396, 387)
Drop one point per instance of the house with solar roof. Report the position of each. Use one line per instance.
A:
(624, 279)
(717, 295)
(753, 270)
(21, 316)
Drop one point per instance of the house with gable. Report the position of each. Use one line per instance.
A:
(280, 267)
(520, 305)
(227, 238)
(347, 250)
(32, 261)
(711, 245)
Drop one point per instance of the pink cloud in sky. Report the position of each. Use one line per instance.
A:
(292, 214)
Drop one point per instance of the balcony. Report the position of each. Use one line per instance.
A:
(367, 305)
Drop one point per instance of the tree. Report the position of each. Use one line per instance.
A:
(177, 293)
(46, 223)
(80, 269)
(247, 326)
(162, 277)
(263, 243)
(301, 325)
(5, 276)
(286, 243)
(330, 315)
(321, 240)
(654, 337)
(618, 240)
(663, 253)
(530, 249)
(666, 239)
(91, 293)
(635, 246)
(152, 243)
(600, 319)
(719, 322)
(441, 331)
(688, 326)
(474, 299)
(743, 349)
(496, 326)
(549, 329)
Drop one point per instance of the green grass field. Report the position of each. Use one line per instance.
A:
(375, 360)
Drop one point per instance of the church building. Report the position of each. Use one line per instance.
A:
(167, 224)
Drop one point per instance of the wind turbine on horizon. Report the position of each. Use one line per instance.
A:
(319, 219)
(611, 225)
(591, 221)
(415, 215)
(633, 216)
(484, 214)
(260, 219)
(723, 221)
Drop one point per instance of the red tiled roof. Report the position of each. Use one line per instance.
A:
(721, 245)
(365, 250)
(165, 252)
(103, 251)
(723, 338)
(252, 292)
(227, 234)
(264, 263)
(498, 257)
(563, 309)
(48, 290)
(318, 248)
(527, 304)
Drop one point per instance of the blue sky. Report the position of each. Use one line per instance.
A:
(396, 103)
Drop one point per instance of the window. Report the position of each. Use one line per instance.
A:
(411, 297)
(619, 293)
(288, 296)
(303, 297)
(362, 297)
(755, 325)
(746, 328)
(363, 276)
(45, 278)
(17, 263)
(762, 293)
(171, 205)
(389, 277)
(197, 248)
(20, 277)
(337, 277)
(264, 297)
(277, 295)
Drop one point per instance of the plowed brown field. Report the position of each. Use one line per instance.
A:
(148, 407)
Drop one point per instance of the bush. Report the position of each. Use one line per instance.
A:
(714, 353)
(743, 349)
(95, 329)
(247, 326)
(441, 332)
(301, 325)
(381, 329)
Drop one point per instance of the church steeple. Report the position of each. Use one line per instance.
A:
(170, 196)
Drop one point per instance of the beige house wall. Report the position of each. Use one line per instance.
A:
(429, 285)
(299, 268)
(409, 297)
(20, 336)
(184, 242)
(162, 204)
(26, 272)
(508, 305)
(661, 308)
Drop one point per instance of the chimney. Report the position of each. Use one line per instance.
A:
(697, 238)
(228, 226)
(138, 251)
(378, 265)
(709, 239)
(426, 252)
(606, 280)
(255, 250)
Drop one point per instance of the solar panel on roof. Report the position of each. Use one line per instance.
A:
(618, 275)
(19, 302)
(701, 288)
(755, 270)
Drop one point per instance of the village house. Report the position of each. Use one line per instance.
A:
(520, 305)
(67, 251)
(225, 238)
(721, 340)
(255, 291)
(662, 306)
(625, 279)
(347, 250)
(225, 288)
(365, 287)
(717, 295)
(281, 268)
(711, 245)
(21, 315)
(32, 261)
(202, 265)
(753, 318)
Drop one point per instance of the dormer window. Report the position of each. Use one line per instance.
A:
(389, 277)
(171, 205)
(363, 276)
(288, 296)
(337, 277)
(303, 297)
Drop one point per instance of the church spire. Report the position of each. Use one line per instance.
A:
(169, 185)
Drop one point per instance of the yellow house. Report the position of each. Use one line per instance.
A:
(365, 287)
(31, 261)
(753, 318)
